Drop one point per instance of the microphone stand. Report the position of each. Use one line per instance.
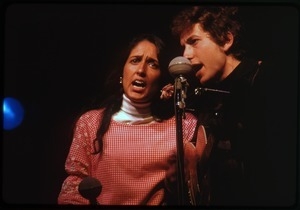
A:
(179, 96)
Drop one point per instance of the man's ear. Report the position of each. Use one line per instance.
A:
(229, 42)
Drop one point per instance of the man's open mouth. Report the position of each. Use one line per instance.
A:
(196, 67)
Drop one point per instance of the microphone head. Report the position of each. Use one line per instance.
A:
(180, 65)
(90, 188)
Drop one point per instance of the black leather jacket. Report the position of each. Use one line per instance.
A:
(233, 171)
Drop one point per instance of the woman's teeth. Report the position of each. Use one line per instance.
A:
(139, 83)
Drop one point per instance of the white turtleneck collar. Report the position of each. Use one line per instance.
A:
(133, 113)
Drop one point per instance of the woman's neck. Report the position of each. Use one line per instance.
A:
(133, 113)
(135, 109)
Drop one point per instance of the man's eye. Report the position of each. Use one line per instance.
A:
(193, 41)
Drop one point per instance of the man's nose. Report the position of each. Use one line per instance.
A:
(188, 52)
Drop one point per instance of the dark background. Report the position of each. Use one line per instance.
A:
(55, 60)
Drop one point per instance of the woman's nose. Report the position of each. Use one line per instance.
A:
(142, 70)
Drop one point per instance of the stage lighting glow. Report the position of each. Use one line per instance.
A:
(13, 113)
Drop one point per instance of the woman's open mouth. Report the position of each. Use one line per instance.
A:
(140, 84)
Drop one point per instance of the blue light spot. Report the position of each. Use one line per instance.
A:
(13, 113)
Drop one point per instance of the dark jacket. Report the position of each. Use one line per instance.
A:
(235, 169)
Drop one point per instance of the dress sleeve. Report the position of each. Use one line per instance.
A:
(78, 162)
(189, 126)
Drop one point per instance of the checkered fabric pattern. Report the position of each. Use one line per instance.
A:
(133, 164)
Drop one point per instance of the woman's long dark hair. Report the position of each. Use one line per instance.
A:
(114, 91)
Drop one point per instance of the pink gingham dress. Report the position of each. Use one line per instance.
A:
(133, 164)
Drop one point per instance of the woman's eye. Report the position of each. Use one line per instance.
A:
(153, 64)
(135, 60)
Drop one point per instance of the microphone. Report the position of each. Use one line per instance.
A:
(180, 66)
(90, 188)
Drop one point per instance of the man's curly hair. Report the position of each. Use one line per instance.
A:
(217, 21)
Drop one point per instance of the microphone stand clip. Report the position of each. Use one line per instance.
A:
(181, 86)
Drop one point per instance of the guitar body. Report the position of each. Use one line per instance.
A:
(196, 164)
